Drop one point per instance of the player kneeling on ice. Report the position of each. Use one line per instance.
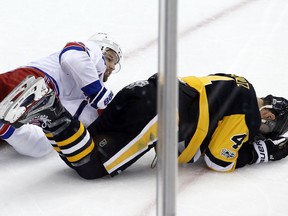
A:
(220, 117)
(76, 74)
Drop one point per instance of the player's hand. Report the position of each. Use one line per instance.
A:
(100, 111)
(102, 99)
(270, 150)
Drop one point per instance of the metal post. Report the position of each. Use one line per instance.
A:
(167, 109)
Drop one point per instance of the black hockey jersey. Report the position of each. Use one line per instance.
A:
(218, 114)
(228, 117)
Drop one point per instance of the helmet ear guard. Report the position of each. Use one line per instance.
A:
(105, 41)
(281, 126)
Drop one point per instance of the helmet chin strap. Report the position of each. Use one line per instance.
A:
(266, 107)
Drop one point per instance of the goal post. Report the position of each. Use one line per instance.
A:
(167, 167)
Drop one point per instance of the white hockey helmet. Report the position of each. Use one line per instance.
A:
(105, 41)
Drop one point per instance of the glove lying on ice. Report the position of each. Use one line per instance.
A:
(270, 150)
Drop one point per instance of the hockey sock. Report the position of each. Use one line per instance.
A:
(6, 131)
(74, 143)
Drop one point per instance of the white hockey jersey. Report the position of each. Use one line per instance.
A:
(78, 72)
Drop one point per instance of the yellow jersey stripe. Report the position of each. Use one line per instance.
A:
(203, 121)
(208, 79)
(139, 144)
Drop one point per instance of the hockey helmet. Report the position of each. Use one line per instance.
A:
(281, 125)
(105, 41)
(278, 106)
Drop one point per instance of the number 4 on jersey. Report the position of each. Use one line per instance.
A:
(238, 140)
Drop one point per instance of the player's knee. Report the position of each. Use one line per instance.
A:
(91, 175)
(94, 169)
(88, 173)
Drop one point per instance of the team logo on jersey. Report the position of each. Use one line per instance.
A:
(103, 142)
(228, 154)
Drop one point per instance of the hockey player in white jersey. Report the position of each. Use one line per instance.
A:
(77, 74)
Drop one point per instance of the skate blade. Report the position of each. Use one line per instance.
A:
(9, 99)
(30, 90)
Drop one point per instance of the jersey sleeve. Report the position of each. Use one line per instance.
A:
(236, 122)
(77, 61)
(228, 138)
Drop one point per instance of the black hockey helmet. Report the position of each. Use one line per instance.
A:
(279, 107)
(281, 126)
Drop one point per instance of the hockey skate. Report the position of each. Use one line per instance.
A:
(31, 102)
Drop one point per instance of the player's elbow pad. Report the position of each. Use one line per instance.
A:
(102, 99)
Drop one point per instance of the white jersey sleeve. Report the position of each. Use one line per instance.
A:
(87, 68)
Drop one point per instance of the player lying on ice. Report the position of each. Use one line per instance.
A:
(219, 119)
(76, 72)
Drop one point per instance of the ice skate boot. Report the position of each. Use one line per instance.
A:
(28, 86)
(32, 102)
(14, 105)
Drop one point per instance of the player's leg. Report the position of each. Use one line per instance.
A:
(74, 143)
(127, 129)
(71, 139)
(27, 140)
(75, 147)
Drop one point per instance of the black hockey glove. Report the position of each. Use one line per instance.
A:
(269, 150)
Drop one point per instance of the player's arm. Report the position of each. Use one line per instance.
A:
(228, 138)
(217, 164)
(262, 151)
(76, 61)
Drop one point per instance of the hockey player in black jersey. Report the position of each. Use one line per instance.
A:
(219, 119)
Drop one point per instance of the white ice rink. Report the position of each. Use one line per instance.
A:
(248, 38)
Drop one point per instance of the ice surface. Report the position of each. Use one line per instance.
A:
(248, 38)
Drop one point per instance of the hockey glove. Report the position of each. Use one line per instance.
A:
(102, 99)
(269, 150)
